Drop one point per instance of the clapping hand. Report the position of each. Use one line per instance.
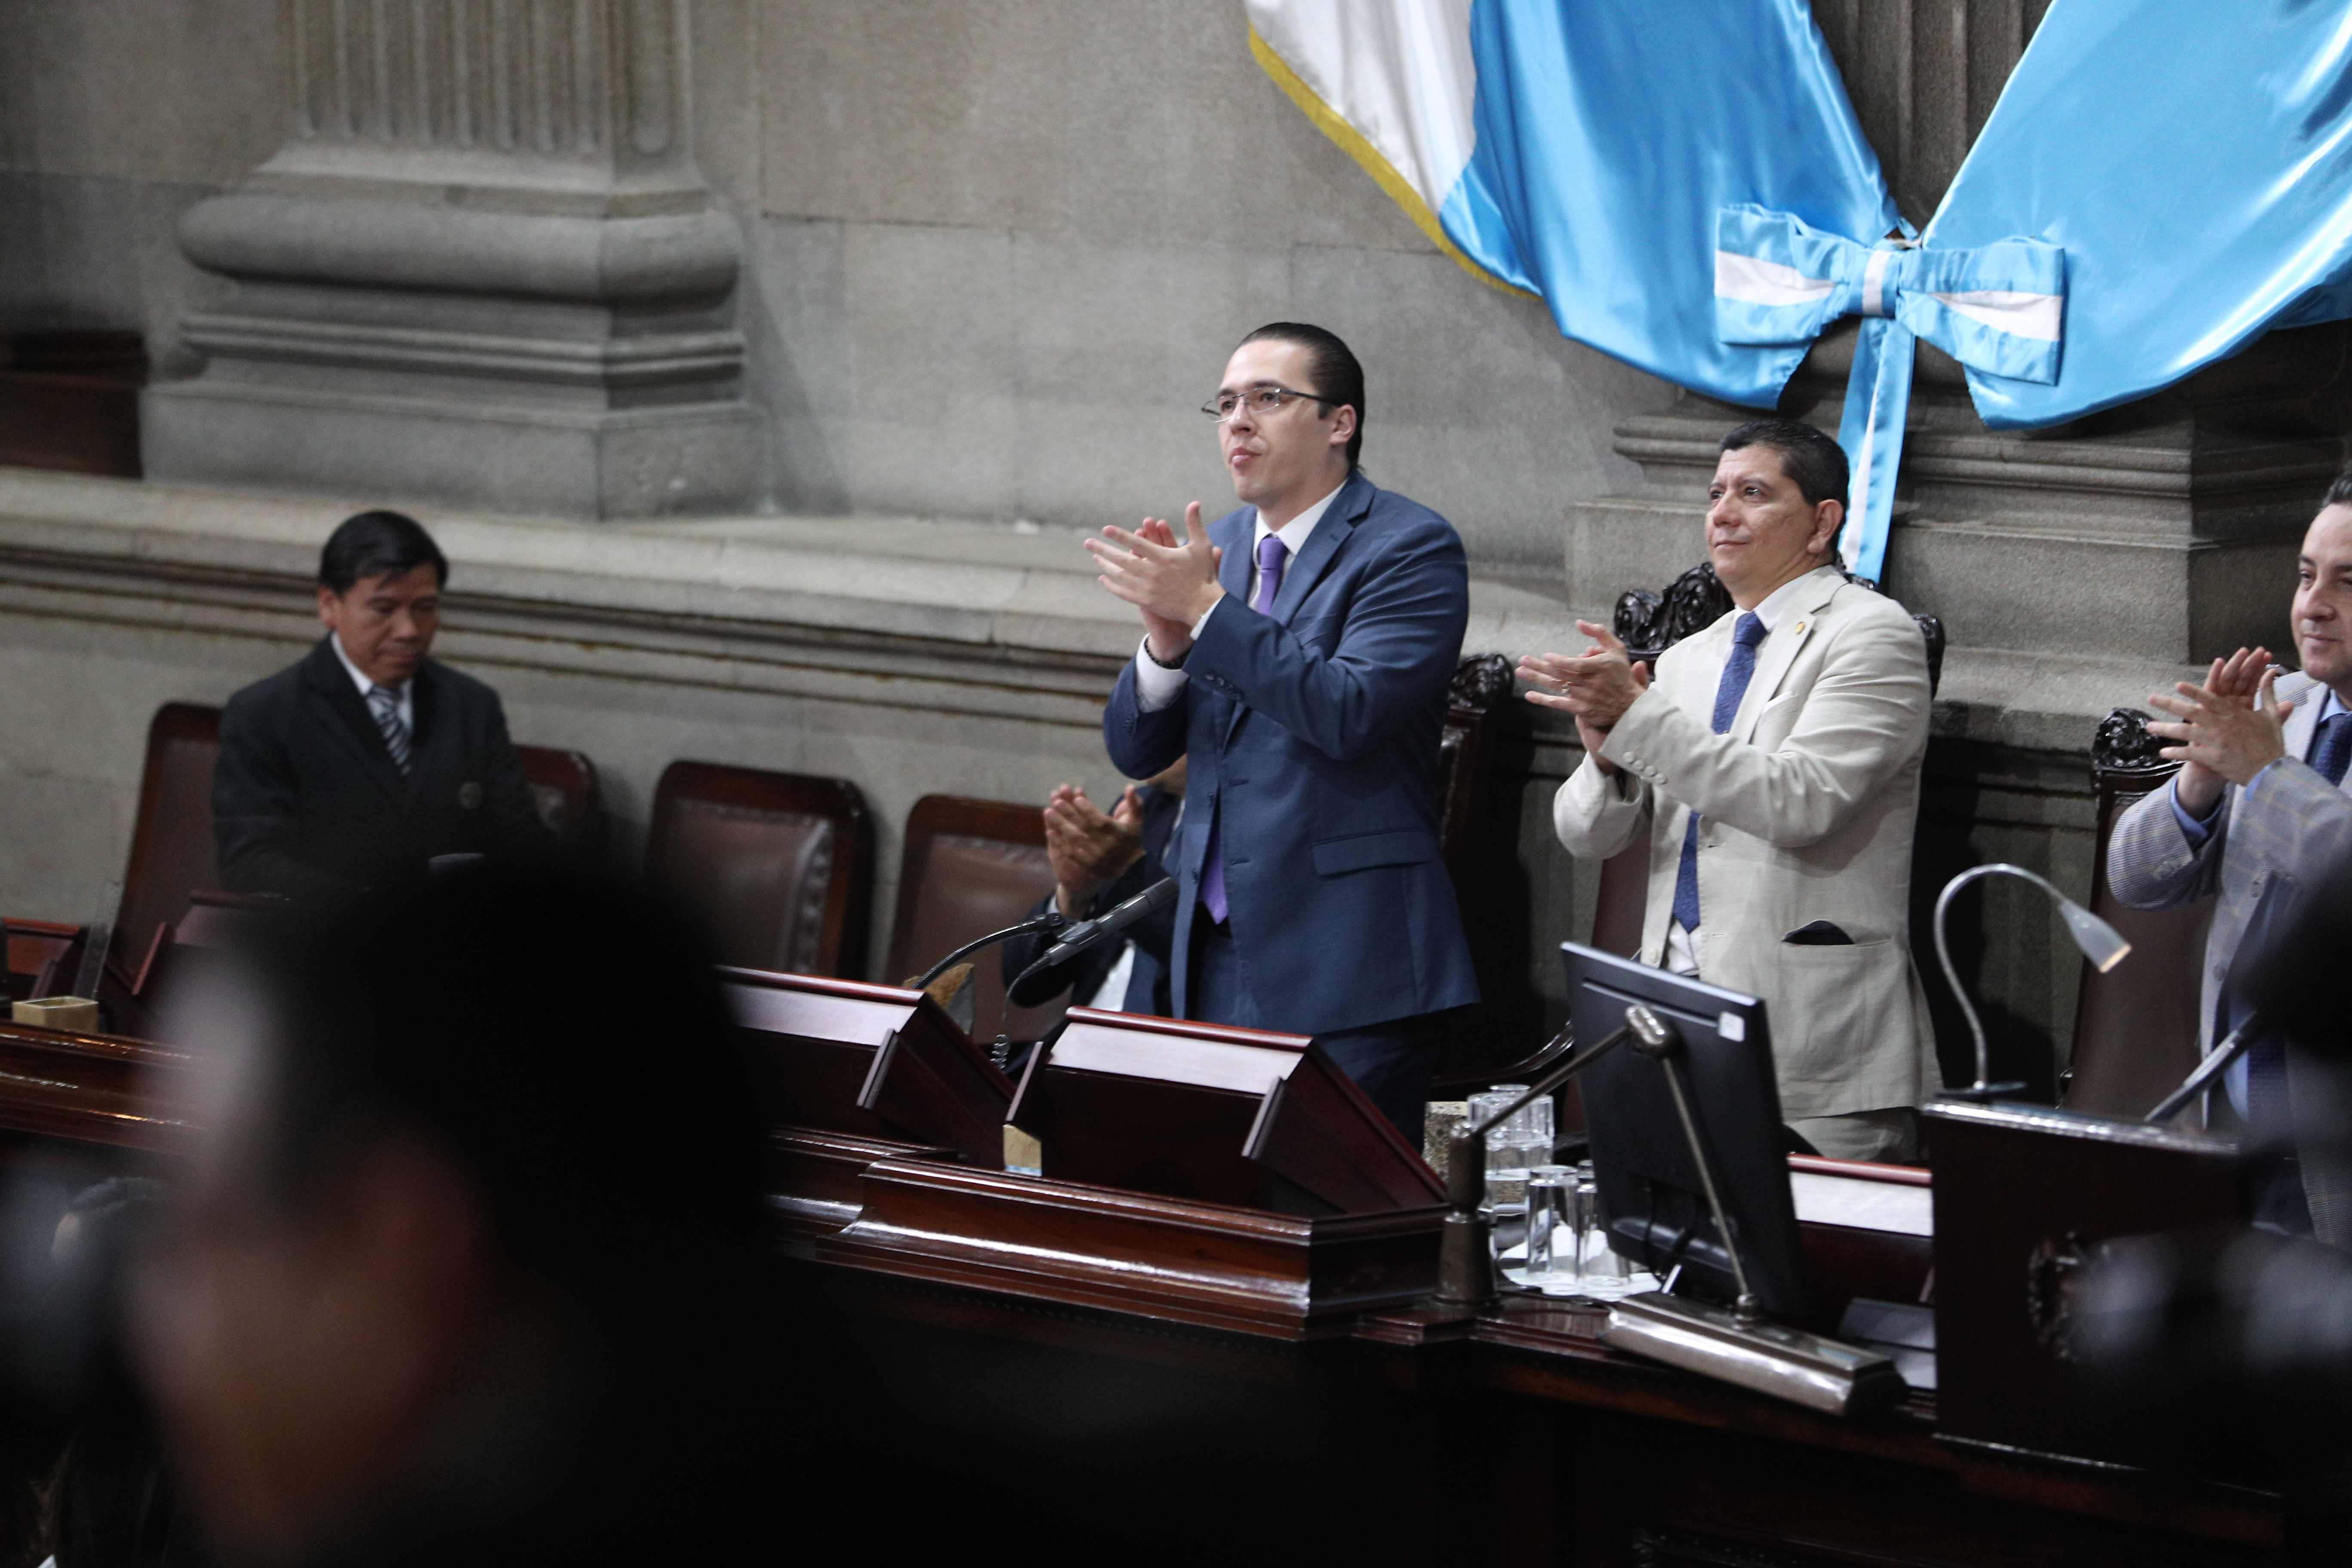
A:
(1596, 687)
(1174, 584)
(2229, 729)
(1087, 849)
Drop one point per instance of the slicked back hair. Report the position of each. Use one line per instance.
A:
(1330, 364)
(1808, 455)
(2340, 492)
(378, 545)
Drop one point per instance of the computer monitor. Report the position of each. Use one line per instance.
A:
(1650, 1193)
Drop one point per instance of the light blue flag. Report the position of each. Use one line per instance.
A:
(2194, 162)
(1609, 133)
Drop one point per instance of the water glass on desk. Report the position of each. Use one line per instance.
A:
(1552, 1232)
(1523, 1140)
(1600, 1273)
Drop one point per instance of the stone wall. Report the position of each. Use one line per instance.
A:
(979, 264)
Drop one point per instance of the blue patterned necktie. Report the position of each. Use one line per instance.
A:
(2332, 749)
(1737, 670)
(2267, 1110)
(1273, 554)
(385, 705)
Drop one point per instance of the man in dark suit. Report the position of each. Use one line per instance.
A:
(359, 764)
(1100, 860)
(1298, 651)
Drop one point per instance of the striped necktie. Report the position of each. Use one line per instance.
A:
(385, 705)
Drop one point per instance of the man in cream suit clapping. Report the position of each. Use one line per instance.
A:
(1774, 762)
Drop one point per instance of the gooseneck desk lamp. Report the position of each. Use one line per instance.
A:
(2099, 942)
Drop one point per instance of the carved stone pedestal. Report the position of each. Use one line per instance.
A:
(481, 271)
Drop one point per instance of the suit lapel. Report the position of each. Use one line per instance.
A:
(426, 724)
(351, 723)
(1234, 576)
(1323, 546)
(1779, 652)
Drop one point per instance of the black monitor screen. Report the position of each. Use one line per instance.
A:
(1650, 1193)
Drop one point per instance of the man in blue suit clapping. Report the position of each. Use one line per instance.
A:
(1298, 648)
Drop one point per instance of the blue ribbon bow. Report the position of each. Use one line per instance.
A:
(1998, 309)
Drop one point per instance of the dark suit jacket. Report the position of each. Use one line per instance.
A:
(1313, 733)
(306, 800)
(1147, 982)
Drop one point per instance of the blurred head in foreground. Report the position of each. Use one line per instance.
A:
(469, 1230)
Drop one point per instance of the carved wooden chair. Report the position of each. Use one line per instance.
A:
(970, 868)
(172, 852)
(563, 786)
(2136, 1026)
(780, 866)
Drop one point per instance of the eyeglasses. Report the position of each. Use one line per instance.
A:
(1260, 401)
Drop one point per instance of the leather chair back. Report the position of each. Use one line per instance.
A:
(780, 866)
(563, 786)
(972, 867)
(172, 851)
(2135, 1026)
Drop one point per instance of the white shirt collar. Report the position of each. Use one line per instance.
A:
(1293, 532)
(404, 691)
(1776, 602)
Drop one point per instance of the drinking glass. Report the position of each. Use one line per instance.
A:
(1601, 1273)
(1506, 1165)
(1551, 1229)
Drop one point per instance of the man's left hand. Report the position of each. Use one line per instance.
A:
(2222, 733)
(1174, 584)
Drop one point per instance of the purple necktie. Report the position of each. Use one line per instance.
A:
(1271, 554)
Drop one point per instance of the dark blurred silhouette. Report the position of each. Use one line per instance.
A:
(107, 1503)
(468, 1260)
(2231, 1353)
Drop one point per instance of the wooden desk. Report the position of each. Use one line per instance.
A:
(1129, 1417)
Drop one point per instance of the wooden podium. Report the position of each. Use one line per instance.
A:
(856, 1073)
(2024, 1195)
(1226, 1178)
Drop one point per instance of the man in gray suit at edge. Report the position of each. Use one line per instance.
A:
(2257, 812)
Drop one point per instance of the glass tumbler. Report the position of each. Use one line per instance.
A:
(1551, 1229)
(1601, 1273)
(1506, 1162)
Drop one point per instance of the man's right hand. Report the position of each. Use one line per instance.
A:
(1088, 849)
(2239, 679)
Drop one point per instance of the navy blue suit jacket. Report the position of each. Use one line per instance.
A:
(1313, 734)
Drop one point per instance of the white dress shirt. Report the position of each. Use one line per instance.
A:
(403, 694)
(1156, 685)
(1682, 953)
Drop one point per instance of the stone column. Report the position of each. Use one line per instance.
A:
(482, 271)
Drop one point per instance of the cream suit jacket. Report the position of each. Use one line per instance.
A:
(1806, 809)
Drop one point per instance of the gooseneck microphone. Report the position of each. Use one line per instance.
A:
(1077, 939)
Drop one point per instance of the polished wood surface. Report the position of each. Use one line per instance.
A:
(1277, 1374)
(1201, 1110)
(2023, 1197)
(870, 1062)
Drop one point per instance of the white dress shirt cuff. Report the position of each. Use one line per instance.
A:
(1156, 685)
